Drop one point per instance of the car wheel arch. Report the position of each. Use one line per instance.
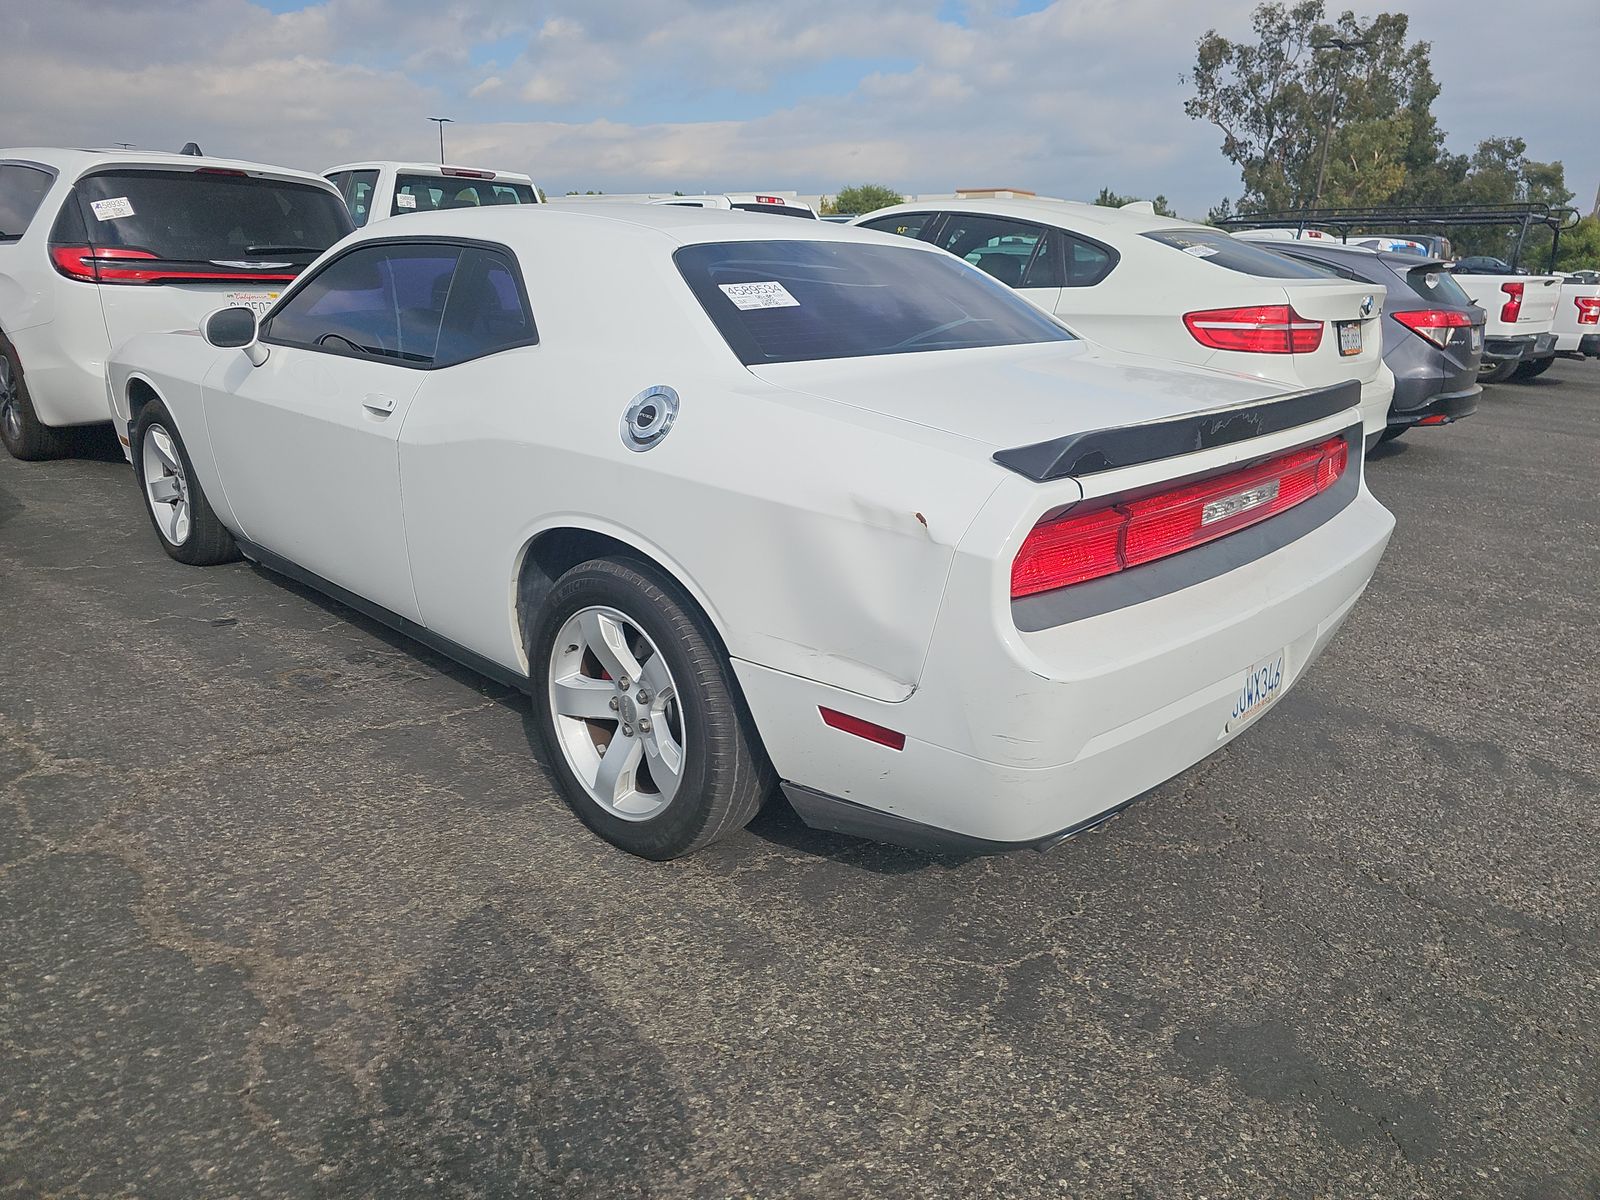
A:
(138, 393)
(552, 551)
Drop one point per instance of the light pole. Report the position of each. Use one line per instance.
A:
(1343, 46)
(443, 121)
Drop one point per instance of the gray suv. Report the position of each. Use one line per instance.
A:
(1432, 331)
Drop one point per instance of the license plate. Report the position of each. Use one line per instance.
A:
(1349, 337)
(256, 302)
(1262, 686)
(1477, 337)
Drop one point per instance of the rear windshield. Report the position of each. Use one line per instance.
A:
(799, 301)
(1223, 250)
(197, 216)
(778, 210)
(429, 193)
(1434, 284)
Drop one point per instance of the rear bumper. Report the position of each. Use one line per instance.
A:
(1544, 346)
(1441, 410)
(1500, 350)
(1573, 345)
(1022, 738)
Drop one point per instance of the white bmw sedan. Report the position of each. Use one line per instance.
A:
(753, 502)
(1134, 281)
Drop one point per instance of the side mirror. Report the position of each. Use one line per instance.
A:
(234, 329)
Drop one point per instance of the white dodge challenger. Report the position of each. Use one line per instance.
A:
(745, 502)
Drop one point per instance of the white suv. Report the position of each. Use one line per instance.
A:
(375, 191)
(98, 245)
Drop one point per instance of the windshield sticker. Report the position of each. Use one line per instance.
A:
(110, 210)
(746, 296)
(402, 200)
(1200, 251)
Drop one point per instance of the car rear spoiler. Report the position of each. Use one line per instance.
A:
(1128, 445)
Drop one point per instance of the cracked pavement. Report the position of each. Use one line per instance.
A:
(288, 908)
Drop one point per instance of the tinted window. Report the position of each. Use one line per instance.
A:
(22, 190)
(356, 187)
(485, 312)
(1323, 266)
(430, 193)
(383, 302)
(793, 301)
(1222, 250)
(198, 216)
(1017, 253)
(1434, 284)
(908, 225)
(1087, 263)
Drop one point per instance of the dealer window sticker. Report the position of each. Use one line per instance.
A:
(1200, 251)
(405, 200)
(110, 210)
(769, 294)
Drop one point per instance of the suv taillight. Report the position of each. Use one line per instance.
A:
(92, 264)
(1513, 307)
(1077, 547)
(1588, 309)
(1434, 324)
(1258, 329)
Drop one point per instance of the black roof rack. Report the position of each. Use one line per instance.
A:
(1346, 221)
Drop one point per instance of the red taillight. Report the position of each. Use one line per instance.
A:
(104, 264)
(1259, 329)
(1077, 547)
(769, 199)
(1434, 324)
(863, 729)
(1588, 310)
(1513, 307)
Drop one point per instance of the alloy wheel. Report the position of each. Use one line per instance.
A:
(616, 712)
(166, 484)
(10, 402)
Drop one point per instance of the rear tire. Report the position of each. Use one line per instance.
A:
(184, 520)
(699, 740)
(1498, 374)
(24, 435)
(1532, 370)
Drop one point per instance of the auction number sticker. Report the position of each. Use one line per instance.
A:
(405, 200)
(110, 210)
(746, 296)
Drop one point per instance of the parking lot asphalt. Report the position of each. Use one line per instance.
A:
(288, 908)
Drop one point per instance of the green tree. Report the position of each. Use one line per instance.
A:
(1580, 246)
(1279, 99)
(1109, 199)
(863, 198)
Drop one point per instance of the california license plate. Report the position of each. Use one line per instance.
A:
(1349, 337)
(256, 302)
(1262, 686)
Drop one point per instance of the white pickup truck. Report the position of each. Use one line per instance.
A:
(1520, 315)
(373, 191)
(1578, 316)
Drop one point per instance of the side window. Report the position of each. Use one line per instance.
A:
(1087, 264)
(382, 302)
(486, 311)
(356, 187)
(1017, 253)
(22, 190)
(908, 225)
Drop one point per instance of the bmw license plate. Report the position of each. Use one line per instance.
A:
(1349, 337)
(1262, 686)
(256, 302)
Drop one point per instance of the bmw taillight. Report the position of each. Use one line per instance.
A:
(1077, 547)
(1588, 310)
(1434, 324)
(1513, 306)
(1257, 329)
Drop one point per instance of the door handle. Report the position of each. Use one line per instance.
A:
(378, 406)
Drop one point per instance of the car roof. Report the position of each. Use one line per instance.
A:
(425, 168)
(76, 161)
(512, 223)
(1067, 213)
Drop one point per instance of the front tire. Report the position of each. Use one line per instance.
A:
(184, 520)
(25, 436)
(1532, 370)
(638, 712)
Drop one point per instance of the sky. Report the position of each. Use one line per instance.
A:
(710, 95)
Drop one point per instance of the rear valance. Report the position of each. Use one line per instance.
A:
(1128, 445)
